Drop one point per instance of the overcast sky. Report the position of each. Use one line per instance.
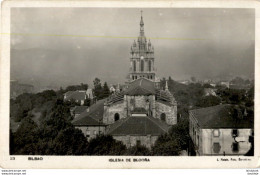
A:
(61, 46)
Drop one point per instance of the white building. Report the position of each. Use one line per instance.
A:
(217, 130)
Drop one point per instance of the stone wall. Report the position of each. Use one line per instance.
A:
(225, 140)
(141, 102)
(91, 131)
(111, 110)
(129, 140)
(170, 112)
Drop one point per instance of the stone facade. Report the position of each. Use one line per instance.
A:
(142, 57)
(111, 110)
(91, 131)
(170, 112)
(130, 140)
(154, 109)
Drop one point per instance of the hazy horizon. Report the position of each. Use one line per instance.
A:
(63, 46)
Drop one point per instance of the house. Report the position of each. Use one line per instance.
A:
(90, 121)
(209, 92)
(112, 89)
(219, 130)
(79, 96)
(224, 84)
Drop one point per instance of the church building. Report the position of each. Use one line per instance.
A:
(142, 111)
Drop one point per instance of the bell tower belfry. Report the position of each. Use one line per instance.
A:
(142, 57)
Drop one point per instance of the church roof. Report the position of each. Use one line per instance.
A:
(141, 86)
(221, 116)
(95, 112)
(116, 97)
(139, 125)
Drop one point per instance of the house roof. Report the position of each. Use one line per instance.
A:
(141, 86)
(79, 109)
(95, 112)
(138, 125)
(87, 121)
(221, 116)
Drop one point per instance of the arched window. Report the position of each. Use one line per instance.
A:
(163, 117)
(116, 116)
(134, 66)
(150, 66)
(142, 65)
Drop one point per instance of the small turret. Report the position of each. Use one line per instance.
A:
(166, 86)
(134, 44)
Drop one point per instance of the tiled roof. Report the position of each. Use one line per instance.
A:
(220, 116)
(118, 96)
(87, 121)
(138, 126)
(95, 112)
(164, 96)
(79, 109)
(141, 86)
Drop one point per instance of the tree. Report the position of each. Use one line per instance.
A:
(207, 86)
(70, 141)
(97, 89)
(173, 142)
(138, 150)
(166, 146)
(25, 135)
(106, 91)
(83, 86)
(193, 79)
(105, 145)
(208, 101)
(87, 102)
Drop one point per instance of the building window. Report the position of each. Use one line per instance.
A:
(234, 132)
(235, 147)
(88, 133)
(116, 116)
(134, 66)
(150, 65)
(142, 65)
(95, 132)
(163, 117)
(216, 133)
(198, 137)
(216, 147)
(138, 142)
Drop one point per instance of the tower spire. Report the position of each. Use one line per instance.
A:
(142, 24)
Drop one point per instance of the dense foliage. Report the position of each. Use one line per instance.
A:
(100, 91)
(55, 135)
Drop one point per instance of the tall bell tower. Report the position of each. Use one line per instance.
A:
(141, 57)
